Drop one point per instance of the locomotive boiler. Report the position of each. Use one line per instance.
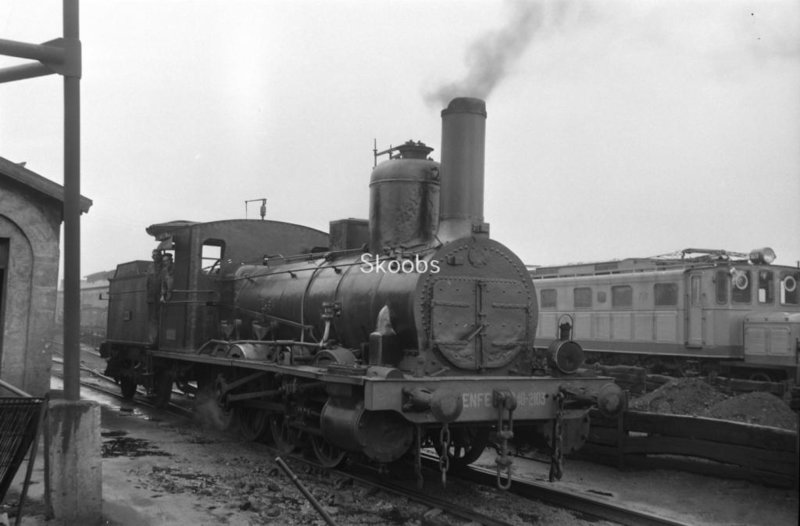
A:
(379, 338)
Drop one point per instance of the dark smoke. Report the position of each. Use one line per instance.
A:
(489, 58)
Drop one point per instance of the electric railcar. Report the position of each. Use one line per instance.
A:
(725, 312)
(378, 338)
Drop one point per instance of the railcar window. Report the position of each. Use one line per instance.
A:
(665, 294)
(548, 298)
(582, 297)
(766, 291)
(740, 287)
(622, 296)
(211, 256)
(789, 293)
(722, 285)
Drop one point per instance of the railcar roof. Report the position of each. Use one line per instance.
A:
(709, 259)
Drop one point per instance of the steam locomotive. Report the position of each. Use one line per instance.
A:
(710, 310)
(380, 338)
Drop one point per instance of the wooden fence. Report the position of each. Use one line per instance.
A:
(700, 445)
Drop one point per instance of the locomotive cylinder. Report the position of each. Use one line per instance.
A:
(463, 150)
(383, 436)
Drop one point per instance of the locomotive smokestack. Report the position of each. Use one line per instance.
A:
(463, 146)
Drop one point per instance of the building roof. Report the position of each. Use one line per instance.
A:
(22, 175)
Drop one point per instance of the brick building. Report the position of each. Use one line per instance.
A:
(31, 213)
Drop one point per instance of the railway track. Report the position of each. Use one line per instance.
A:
(112, 389)
(581, 504)
(365, 476)
(598, 507)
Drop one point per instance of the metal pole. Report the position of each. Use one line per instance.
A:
(46, 52)
(307, 494)
(72, 214)
(24, 71)
(16, 390)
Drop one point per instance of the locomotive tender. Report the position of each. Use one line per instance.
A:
(725, 312)
(380, 338)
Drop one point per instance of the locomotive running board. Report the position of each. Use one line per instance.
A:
(535, 395)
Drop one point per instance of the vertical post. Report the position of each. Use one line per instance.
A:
(72, 215)
(73, 466)
(622, 434)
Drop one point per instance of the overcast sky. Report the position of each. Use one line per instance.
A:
(616, 128)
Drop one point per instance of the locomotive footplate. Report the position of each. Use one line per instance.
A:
(430, 400)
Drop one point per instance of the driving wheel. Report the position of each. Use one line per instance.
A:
(466, 445)
(253, 423)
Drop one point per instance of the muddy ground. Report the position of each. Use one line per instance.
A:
(161, 470)
(164, 470)
(180, 472)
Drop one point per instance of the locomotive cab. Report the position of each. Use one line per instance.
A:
(175, 301)
(197, 293)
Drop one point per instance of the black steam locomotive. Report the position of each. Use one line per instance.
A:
(380, 338)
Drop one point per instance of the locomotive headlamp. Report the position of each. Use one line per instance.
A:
(762, 256)
(566, 356)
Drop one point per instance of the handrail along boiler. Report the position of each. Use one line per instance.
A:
(409, 330)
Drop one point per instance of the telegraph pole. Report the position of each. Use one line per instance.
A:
(72, 210)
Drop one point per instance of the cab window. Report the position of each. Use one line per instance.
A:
(211, 256)
(722, 284)
(766, 290)
(788, 287)
(740, 286)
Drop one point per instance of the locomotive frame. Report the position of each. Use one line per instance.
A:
(324, 347)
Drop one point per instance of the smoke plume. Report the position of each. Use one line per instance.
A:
(490, 57)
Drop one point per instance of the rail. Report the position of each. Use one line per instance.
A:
(699, 445)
